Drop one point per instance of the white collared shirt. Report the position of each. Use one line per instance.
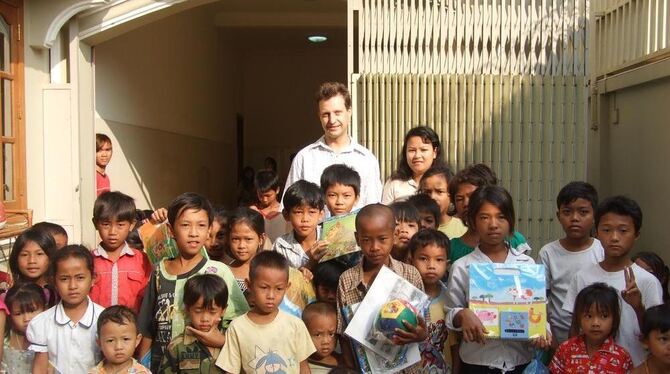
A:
(309, 163)
(288, 246)
(398, 190)
(71, 346)
(497, 353)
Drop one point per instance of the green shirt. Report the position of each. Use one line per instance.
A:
(458, 249)
(187, 355)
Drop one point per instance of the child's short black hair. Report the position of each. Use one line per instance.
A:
(403, 211)
(425, 204)
(210, 287)
(42, 238)
(341, 174)
(76, 251)
(267, 259)
(426, 237)
(477, 175)
(606, 300)
(659, 269)
(113, 205)
(443, 170)
(622, 206)
(119, 314)
(303, 192)
(50, 227)
(656, 318)
(496, 195)
(266, 180)
(577, 190)
(327, 274)
(28, 296)
(186, 201)
(100, 140)
(318, 308)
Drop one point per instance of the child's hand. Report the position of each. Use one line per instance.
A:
(159, 216)
(317, 250)
(542, 342)
(473, 329)
(306, 273)
(412, 335)
(211, 338)
(632, 294)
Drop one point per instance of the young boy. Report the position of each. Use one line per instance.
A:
(162, 314)
(122, 272)
(267, 187)
(265, 339)
(303, 208)
(205, 298)
(435, 183)
(57, 231)
(618, 223)
(117, 338)
(326, 276)
(375, 226)
(429, 250)
(407, 223)
(429, 211)
(564, 258)
(321, 321)
(341, 185)
(103, 154)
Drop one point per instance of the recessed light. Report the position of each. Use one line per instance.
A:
(317, 38)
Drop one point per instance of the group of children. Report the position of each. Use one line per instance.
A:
(226, 301)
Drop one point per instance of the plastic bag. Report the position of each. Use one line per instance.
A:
(536, 366)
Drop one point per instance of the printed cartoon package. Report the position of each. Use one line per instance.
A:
(509, 299)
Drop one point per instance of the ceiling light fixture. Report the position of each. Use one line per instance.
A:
(317, 38)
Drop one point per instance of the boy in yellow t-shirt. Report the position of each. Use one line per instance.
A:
(257, 339)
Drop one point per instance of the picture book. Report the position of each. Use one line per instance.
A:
(339, 233)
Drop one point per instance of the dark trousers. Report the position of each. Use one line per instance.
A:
(478, 369)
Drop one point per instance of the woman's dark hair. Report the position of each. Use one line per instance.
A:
(656, 318)
(76, 251)
(42, 238)
(210, 287)
(606, 300)
(29, 296)
(658, 268)
(428, 136)
(248, 216)
(496, 196)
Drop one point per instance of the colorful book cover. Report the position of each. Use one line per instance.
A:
(339, 232)
(509, 299)
(158, 243)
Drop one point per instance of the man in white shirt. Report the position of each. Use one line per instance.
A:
(336, 147)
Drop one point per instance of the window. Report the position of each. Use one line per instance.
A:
(12, 141)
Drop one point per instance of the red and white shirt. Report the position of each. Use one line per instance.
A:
(572, 357)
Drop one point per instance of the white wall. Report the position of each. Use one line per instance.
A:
(164, 95)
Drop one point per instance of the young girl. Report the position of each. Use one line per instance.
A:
(654, 264)
(421, 150)
(63, 337)
(491, 215)
(246, 234)
(435, 183)
(29, 260)
(25, 301)
(597, 313)
(656, 339)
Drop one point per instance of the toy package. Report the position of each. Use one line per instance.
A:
(509, 299)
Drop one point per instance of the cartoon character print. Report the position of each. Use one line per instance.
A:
(269, 362)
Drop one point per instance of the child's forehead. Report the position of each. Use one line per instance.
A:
(192, 214)
(577, 202)
(340, 187)
(613, 218)
(304, 206)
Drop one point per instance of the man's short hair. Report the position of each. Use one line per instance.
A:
(267, 259)
(341, 174)
(331, 89)
(113, 205)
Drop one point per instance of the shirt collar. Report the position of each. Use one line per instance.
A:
(512, 253)
(321, 143)
(289, 241)
(86, 320)
(394, 265)
(100, 252)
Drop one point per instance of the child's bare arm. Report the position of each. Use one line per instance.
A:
(41, 363)
(304, 367)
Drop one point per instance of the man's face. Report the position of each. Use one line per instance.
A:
(334, 117)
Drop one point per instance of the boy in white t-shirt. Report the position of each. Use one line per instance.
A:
(618, 223)
(563, 258)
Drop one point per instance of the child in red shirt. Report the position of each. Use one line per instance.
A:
(122, 272)
(597, 313)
